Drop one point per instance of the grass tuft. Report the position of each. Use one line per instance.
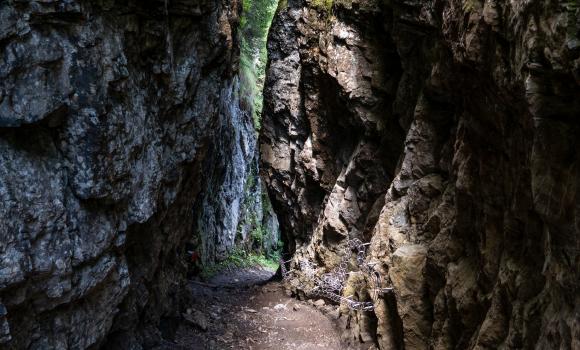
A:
(239, 258)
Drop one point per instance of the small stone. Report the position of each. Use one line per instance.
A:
(319, 303)
(279, 307)
(296, 307)
(197, 319)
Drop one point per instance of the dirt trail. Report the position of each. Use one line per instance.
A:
(242, 310)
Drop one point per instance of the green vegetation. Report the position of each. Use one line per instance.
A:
(323, 4)
(255, 23)
(239, 258)
(282, 5)
(262, 240)
(257, 234)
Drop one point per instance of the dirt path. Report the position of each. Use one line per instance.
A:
(245, 312)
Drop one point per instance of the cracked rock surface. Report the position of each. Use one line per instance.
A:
(116, 120)
(442, 132)
(445, 133)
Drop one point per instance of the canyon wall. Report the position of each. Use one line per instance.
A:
(445, 133)
(120, 124)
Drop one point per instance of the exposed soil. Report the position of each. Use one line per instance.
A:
(242, 309)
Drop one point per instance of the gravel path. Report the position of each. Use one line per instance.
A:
(243, 310)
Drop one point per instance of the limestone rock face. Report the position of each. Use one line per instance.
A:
(115, 117)
(445, 133)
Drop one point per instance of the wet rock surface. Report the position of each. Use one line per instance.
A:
(116, 120)
(443, 133)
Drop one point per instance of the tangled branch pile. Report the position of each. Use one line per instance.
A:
(331, 285)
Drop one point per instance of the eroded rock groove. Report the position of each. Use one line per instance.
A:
(423, 128)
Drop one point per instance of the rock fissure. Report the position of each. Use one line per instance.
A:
(413, 165)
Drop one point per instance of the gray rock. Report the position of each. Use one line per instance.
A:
(197, 319)
(115, 118)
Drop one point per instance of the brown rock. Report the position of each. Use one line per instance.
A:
(444, 133)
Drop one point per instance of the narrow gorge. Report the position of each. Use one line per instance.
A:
(290, 174)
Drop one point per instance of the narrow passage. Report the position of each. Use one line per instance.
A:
(242, 309)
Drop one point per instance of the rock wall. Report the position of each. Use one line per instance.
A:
(221, 209)
(115, 118)
(444, 133)
(233, 211)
